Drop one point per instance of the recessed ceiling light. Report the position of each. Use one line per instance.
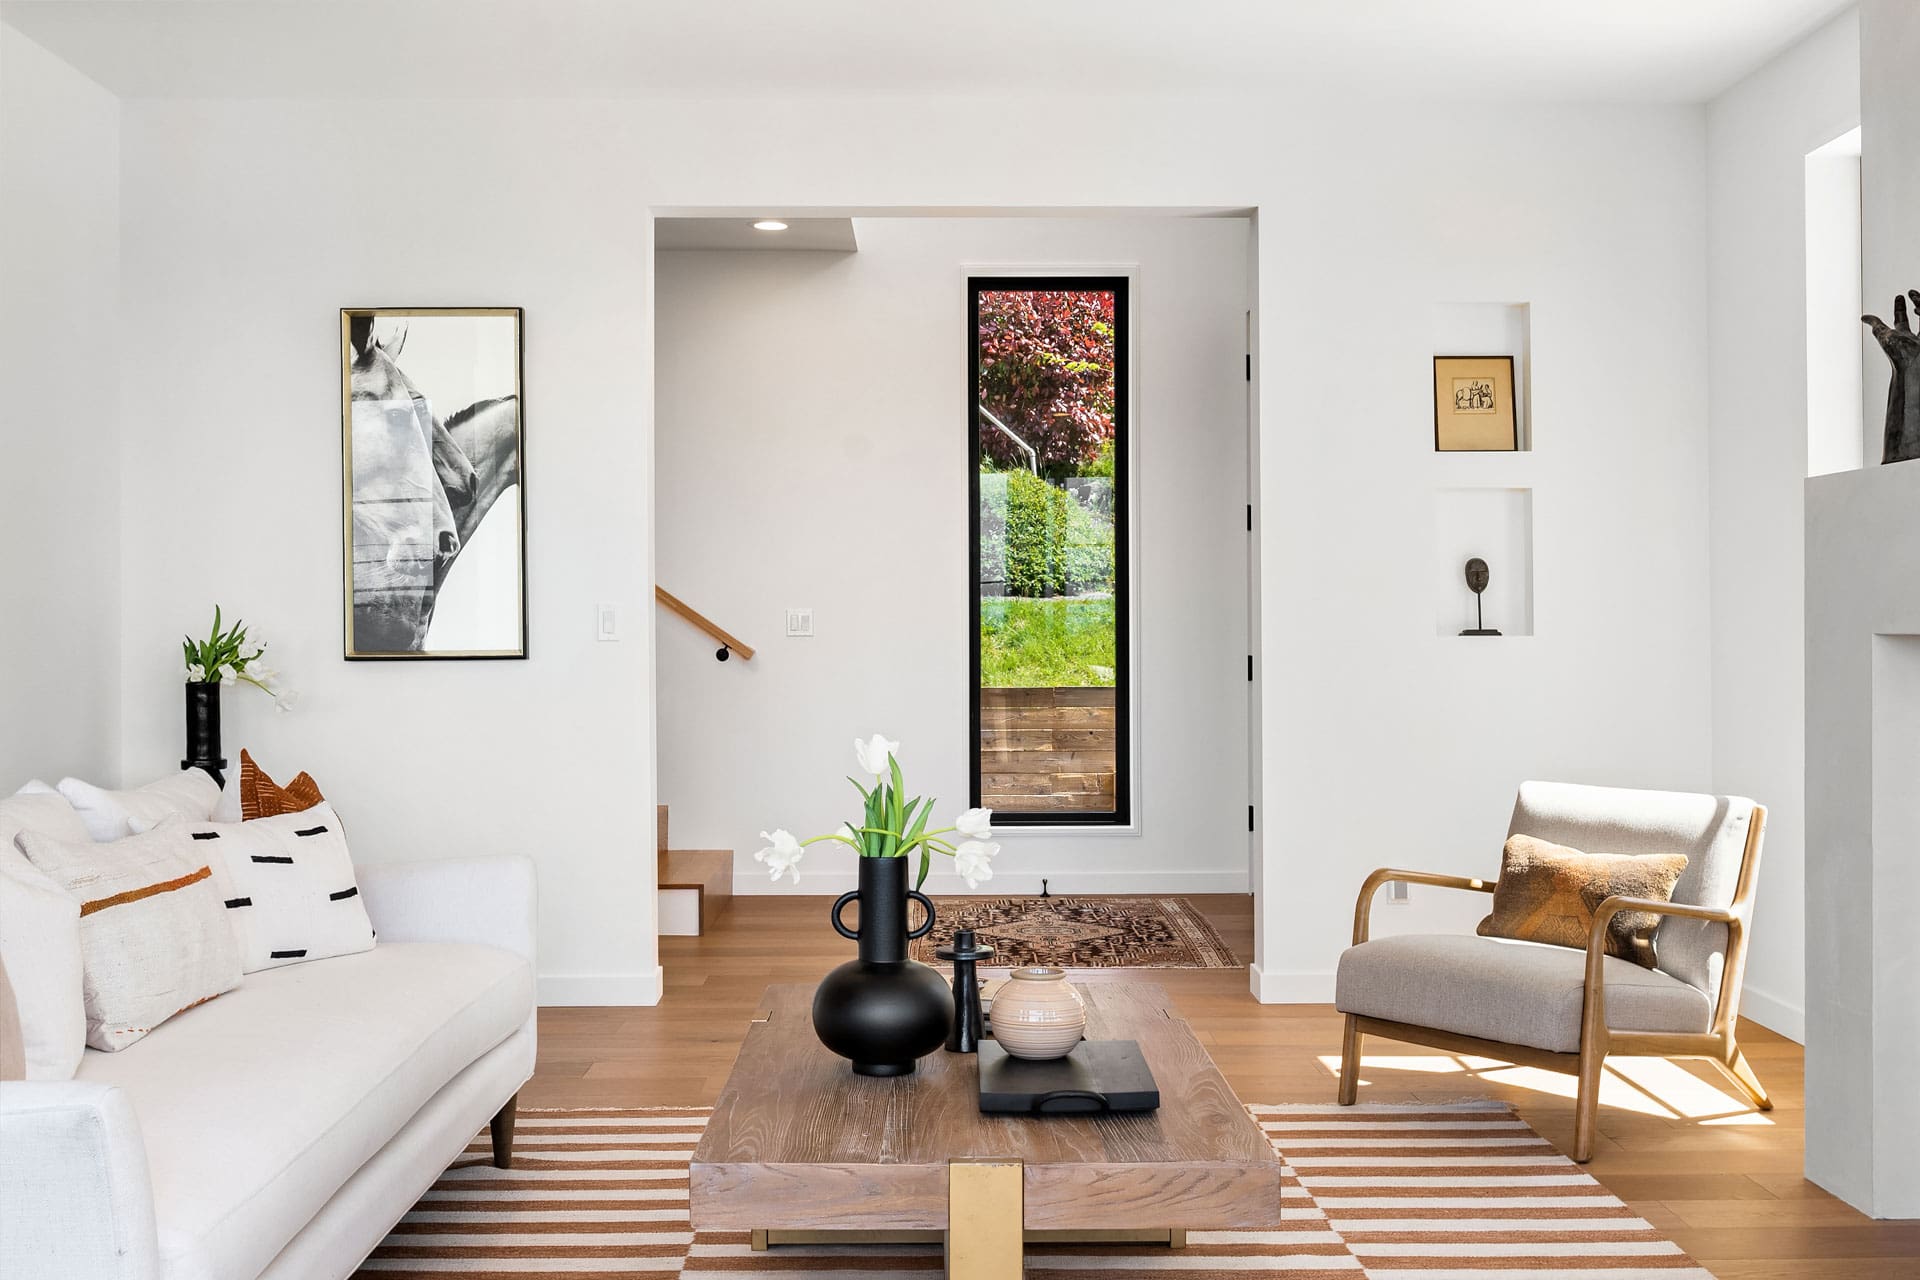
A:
(770, 224)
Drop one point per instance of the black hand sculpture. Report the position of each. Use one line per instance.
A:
(1902, 346)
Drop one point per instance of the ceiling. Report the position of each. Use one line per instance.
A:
(1595, 50)
(829, 235)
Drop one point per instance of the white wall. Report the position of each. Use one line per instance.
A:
(811, 442)
(59, 419)
(246, 229)
(248, 223)
(1388, 745)
(1863, 710)
(1758, 137)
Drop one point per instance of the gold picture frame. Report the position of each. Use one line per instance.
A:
(432, 470)
(1473, 405)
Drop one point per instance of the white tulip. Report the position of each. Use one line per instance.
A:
(196, 674)
(874, 754)
(974, 861)
(975, 824)
(286, 699)
(781, 856)
(851, 836)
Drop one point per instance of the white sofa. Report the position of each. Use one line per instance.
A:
(280, 1130)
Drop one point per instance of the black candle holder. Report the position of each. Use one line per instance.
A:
(969, 1023)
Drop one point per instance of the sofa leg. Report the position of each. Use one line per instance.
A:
(503, 1134)
(1350, 1063)
(1742, 1072)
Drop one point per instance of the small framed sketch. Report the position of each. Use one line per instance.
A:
(431, 467)
(1473, 404)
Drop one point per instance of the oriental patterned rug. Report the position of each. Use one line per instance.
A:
(1082, 933)
(1420, 1192)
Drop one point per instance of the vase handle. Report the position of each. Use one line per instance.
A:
(839, 905)
(926, 926)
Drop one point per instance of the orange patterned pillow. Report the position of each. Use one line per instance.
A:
(262, 797)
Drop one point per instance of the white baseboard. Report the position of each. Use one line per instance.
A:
(1289, 988)
(1774, 1014)
(949, 885)
(602, 989)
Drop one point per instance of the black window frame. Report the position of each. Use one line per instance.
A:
(1121, 815)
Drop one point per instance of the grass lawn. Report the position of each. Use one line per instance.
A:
(1040, 644)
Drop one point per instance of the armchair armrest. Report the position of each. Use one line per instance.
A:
(1595, 1016)
(1363, 909)
(76, 1202)
(486, 900)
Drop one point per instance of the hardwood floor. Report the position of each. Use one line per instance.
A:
(1677, 1142)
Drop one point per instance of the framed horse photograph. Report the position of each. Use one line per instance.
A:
(431, 481)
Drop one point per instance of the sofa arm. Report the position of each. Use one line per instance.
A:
(75, 1199)
(485, 900)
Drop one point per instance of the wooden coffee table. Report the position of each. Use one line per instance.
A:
(801, 1150)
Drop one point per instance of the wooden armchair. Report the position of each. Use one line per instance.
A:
(1558, 1008)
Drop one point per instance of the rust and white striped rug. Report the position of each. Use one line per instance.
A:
(1463, 1192)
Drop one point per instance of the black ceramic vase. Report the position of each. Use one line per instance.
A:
(882, 1011)
(203, 730)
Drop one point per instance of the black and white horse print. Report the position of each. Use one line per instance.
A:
(422, 483)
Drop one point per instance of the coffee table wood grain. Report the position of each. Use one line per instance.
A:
(798, 1143)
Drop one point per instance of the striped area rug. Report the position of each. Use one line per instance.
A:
(1462, 1192)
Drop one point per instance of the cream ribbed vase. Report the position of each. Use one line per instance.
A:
(1038, 1014)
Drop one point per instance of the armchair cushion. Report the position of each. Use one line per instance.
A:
(1710, 830)
(1512, 992)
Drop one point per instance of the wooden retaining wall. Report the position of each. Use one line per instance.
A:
(1048, 749)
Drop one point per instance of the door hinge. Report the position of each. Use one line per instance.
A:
(1249, 366)
(1249, 517)
(1249, 817)
(1249, 666)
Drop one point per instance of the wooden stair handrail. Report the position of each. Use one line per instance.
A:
(703, 622)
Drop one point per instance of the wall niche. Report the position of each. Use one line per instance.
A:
(1494, 525)
(1492, 329)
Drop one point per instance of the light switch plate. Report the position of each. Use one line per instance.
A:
(606, 624)
(800, 622)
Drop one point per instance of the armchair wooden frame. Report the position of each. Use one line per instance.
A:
(1597, 1040)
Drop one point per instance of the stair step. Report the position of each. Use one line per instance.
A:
(707, 872)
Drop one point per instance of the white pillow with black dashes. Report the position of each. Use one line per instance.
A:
(288, 886)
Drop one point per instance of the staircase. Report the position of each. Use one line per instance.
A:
(695, 885)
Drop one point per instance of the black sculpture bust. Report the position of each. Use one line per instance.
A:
(1478, 575)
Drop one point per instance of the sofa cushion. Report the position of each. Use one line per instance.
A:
(1513, 992)
(288, 885)
(257, 1107)
(262, 797)
(154, 937)
(191, 793)
(40, 939)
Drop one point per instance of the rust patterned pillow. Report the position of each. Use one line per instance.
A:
(1549, 893)
(262, 797)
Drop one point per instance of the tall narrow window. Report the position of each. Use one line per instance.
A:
(1047, 417)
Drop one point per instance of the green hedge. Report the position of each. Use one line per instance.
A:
(1049, 543)
(1047, 644)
